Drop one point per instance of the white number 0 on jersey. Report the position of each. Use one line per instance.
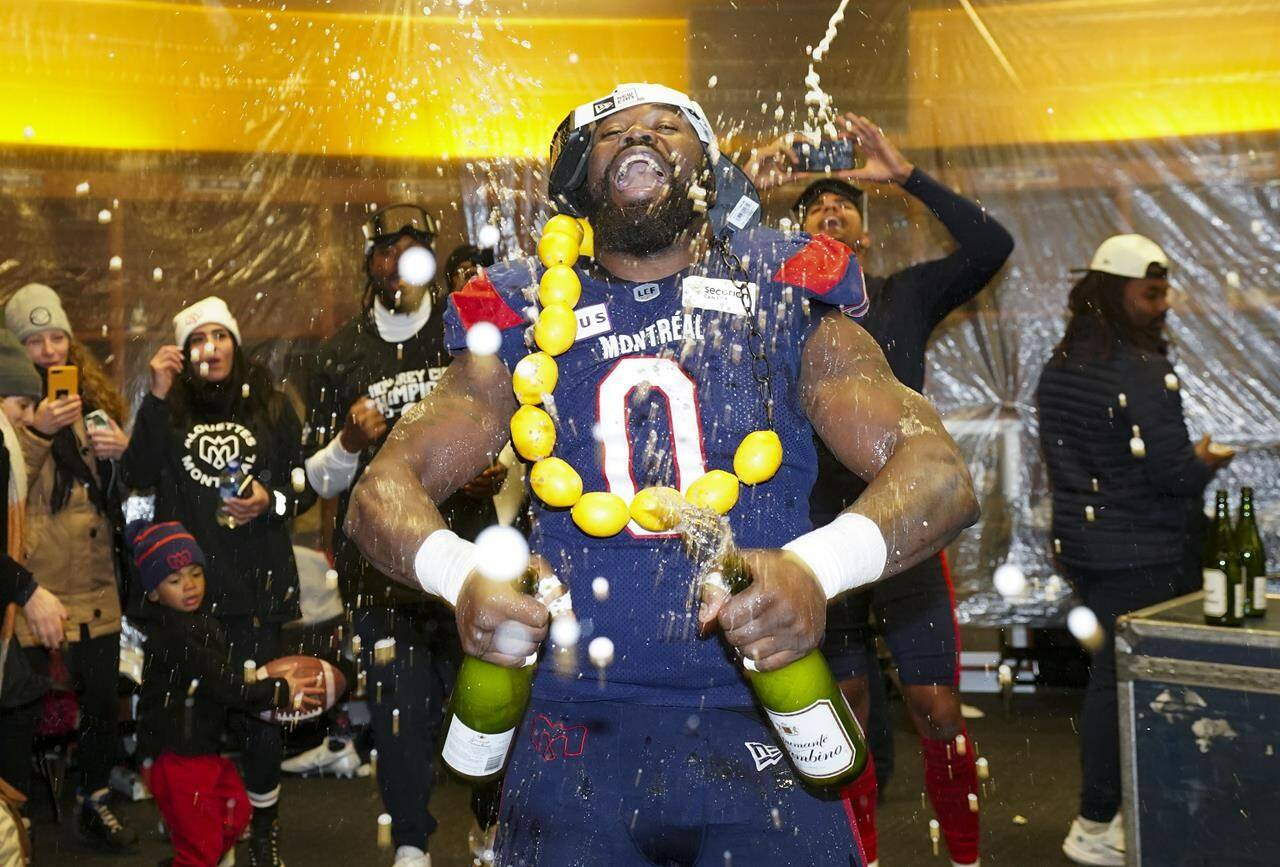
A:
(665, 377)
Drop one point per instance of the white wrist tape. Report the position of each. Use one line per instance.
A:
(332, 469)
(845, 554)
(443, 563)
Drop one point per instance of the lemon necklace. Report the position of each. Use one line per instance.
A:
(533, 433)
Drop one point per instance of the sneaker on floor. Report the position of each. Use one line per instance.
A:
(1115, 832)
(335, 757)
(1096, 849)
(264, 844)
(98, 825)
(411, 856)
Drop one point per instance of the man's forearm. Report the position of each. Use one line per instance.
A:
(389, 517)
(920, 500)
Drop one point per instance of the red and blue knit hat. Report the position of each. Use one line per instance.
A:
(161, 549)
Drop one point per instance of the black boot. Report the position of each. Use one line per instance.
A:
(264, 838)
(99, 825)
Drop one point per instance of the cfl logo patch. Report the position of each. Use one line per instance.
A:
(763, 755)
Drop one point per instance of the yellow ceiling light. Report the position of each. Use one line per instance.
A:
(1093, 71)
(129, 74)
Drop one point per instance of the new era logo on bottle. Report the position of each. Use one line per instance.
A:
(764, 755)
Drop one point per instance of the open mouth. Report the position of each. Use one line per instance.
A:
(639, 169)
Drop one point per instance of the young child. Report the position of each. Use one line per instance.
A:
(188, 685)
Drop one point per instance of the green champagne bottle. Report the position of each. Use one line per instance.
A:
(489, 701)
(1223, 596)
(804, 704)
(1253, 557)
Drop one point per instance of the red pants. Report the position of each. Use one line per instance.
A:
(203, 802)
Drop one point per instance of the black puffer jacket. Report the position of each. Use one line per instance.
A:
(1144, 508)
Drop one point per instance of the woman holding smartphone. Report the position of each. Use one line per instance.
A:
(73, 526)
(222, 449)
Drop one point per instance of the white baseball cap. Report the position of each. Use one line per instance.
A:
(1128, 256)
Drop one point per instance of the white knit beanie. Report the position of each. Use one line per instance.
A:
(207, 311)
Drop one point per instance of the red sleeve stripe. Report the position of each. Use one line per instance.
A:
(479, 301)
(819, 266)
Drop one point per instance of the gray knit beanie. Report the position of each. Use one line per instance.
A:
(35, 308)
(18, 377)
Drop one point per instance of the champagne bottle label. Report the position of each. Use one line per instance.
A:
(1215, 593)
(1260, 593)
(1237, 607)
(472, 753)
(816, 741)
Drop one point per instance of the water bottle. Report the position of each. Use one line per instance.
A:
(232, 483)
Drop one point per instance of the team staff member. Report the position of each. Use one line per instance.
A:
(673, 702)
(208, 406)
(379, 363)
(1124, 518)
(916, 612)
(73, 522)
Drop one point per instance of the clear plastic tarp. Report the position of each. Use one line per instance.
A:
(155, 152)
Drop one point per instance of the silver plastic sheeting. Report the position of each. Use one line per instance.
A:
(240, 147)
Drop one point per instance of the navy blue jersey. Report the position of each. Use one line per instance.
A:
(657, 390)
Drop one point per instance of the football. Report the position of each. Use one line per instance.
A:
(307, 667)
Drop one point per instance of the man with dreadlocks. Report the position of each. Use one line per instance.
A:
(378, 364)
(690, 336)
(1127, 487)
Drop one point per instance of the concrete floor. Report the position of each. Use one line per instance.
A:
(1032, 754)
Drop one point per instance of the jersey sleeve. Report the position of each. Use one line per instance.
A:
(827, 272)
(481, 300)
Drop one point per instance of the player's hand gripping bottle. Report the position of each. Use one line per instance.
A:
(489, 700)
(804, 704)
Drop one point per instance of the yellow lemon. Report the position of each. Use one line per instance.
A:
(557, 248)
(535, 375)
(758, 457)
(559, 285)
(555, 482)
(657, 509)
(533, 433)
(588, 245)
(556, 329)
(563, 224)
(717, 491)
(600, 514)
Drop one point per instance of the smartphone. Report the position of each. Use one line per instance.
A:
(97, 420)
(64, 381)
(829, 155)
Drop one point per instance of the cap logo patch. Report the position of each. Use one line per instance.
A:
(178, 560)
(41, 316)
